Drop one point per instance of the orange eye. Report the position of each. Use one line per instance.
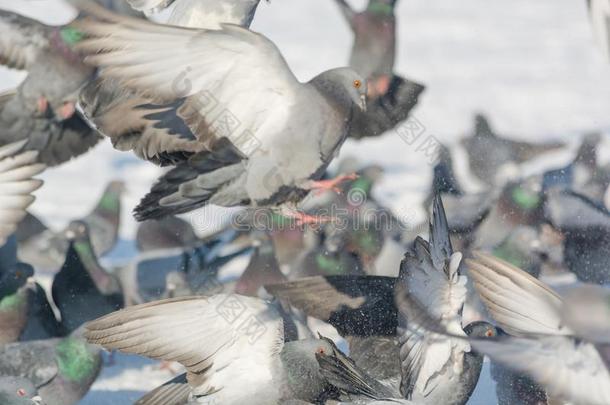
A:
(489, 333)
(320, 350)
(21, 392)
(357, 84)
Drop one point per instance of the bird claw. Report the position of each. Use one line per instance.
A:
(320, 186)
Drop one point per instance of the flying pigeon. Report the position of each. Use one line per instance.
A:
(17, 184)
(541, 344)
(391, 97)
(436, 368)
(132, 121)
(42, 109)
(233, 347)
(254, 134)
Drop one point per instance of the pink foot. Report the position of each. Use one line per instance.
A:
(42, 104)
(67, 110)
(304, 219)
(167, 365)
(333, 184)
(379, 86)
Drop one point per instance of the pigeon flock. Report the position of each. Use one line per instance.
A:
(314, 291)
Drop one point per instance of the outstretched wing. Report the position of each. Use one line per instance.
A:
(235, 328)
(16, 185)
(22, 40)
(231, 83)
(518, 302)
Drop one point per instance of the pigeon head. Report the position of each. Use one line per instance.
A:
(302, 369)
(77, 231)
(15, 278)
(481, 329)
(344, 86)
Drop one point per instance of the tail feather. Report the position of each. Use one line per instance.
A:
(190, 185)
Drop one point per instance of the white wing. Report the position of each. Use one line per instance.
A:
(16, 185)
(518, 302)
(208, 335)
(236, 83)
(571, 371)
(600, 19)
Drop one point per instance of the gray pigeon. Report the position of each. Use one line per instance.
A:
(541, 345)
(62, 369)
(436, 369)
(465, 212)
(391, 97)
(585, 227)
(14, 285)
(42, 109)
(280, 137)
(17, 184)
(488, 152)
(25, 312)
(263, 268)
(83, 290)
(135, 122)
(362, 310)
(233, 348)
(167, 233)
(374, 49)
(583, 175)
(18, 391)
(46, 249)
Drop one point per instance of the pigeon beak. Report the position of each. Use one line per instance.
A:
(363, 102)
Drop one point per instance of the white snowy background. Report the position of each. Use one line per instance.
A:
(532, 66)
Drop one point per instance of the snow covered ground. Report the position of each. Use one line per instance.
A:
(532, 66)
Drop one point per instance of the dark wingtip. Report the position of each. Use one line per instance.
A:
(440, 243)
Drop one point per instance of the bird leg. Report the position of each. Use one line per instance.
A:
(331, 184)
(302, 218)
